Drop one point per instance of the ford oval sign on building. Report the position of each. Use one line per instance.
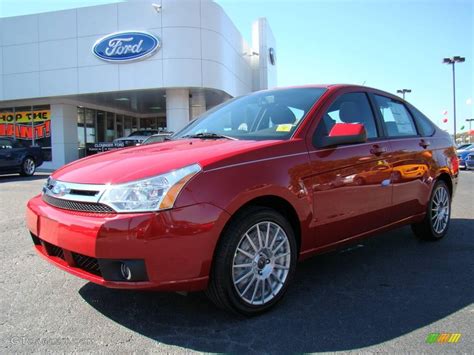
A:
(126, 46)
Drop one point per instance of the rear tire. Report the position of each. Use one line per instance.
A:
(254, 262)
(435, 225)
(28, 167)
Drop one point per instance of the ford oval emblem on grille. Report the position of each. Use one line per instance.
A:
(60, 189)
(126, 46)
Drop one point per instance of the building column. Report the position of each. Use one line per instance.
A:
(64, 141)
(177, 109)
(198, 104)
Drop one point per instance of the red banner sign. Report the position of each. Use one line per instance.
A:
(20, 131)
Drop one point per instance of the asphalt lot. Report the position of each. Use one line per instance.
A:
(384, 295)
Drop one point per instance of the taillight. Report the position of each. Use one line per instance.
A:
(455, 164)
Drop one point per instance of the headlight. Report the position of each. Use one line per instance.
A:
(152, 194)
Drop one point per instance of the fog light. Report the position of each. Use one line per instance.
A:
(126, 272)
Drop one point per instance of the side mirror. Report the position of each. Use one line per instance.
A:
(344, 133)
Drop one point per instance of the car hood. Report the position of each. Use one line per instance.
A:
(134, 163)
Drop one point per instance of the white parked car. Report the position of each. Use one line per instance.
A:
(136, 137)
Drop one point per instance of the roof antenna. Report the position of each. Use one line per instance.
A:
(364, 82)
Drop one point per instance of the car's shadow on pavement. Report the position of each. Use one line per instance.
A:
(17, 177)
(389, 286)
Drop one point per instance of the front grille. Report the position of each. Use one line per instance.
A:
(53, 250)
(77, 205)
(87, 263)
(471, 157)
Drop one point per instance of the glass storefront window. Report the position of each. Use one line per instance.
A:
(100, 126)
(31, 125)
(90, 126)
(7, 122)
(41, 118)
(81, 137)
(110, 132)
(145, 123)
(119, 126)
(94, 126)
(127, 126)
(161, 123)
(134, 124)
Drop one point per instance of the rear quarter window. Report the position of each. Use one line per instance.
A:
(425, 126)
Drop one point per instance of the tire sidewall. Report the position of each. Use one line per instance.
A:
(234, 238)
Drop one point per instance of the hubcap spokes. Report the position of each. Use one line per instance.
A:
(440, 210)
(29, 166)
(261, 263)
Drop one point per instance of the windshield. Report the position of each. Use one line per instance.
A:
(260, 116)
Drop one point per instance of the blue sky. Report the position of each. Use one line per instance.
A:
(386, 44)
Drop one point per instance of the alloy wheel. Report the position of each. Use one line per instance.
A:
(29, 166)
(440, 210)
(261, 263)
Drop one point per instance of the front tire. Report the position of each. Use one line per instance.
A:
(28, 167)
(254, 262)
(438, 215)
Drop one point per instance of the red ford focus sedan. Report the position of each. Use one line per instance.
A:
(237, 197)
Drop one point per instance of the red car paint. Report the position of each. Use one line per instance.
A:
(333, 196)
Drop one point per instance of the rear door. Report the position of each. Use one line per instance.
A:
(411, 159)
(351, 183)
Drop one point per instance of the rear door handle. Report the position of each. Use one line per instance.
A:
(424, 144)
(378, 150)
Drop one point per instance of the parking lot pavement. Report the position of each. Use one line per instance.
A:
(386, 294)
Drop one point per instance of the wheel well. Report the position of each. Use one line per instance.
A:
(447, 179)
(280, 205)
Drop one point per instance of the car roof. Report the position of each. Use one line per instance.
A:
(334, 87)
(161, 134)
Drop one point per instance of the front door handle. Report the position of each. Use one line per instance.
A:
(378, 150)
(424, 144)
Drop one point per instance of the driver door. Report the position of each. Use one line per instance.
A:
(351, 187)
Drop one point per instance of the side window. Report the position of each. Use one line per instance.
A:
(396, 118)
(425, 126)
(5, 144)
(17, 144)
(349, 108)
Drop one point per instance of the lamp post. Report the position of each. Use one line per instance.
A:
(469, 133)
(403, 92)
(453, 61)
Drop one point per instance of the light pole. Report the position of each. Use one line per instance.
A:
(453, 61)
(469, 133)
(403, 92)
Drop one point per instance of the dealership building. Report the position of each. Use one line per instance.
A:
(74, 78)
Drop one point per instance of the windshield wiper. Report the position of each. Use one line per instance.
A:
(208, 135)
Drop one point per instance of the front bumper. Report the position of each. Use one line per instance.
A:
(176, 246)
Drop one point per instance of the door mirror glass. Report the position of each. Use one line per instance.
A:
(345, 133)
